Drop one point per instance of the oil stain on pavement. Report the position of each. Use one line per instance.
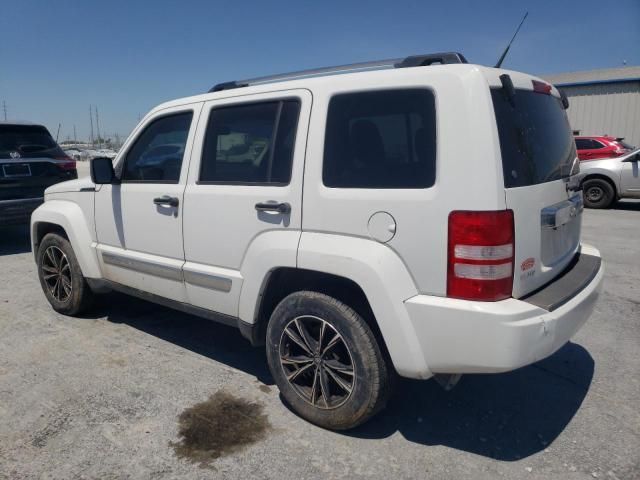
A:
(222, 425)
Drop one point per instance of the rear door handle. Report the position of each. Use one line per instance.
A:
(167, 200)
(273, 207)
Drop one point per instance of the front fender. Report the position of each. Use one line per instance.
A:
(72, 219)
(386, 282)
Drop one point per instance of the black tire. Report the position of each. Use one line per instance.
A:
(71, 295)
(336, 406)
(598, 193)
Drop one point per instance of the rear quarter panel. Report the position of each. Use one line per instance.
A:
(468, 170)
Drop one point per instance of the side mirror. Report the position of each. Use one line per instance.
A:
(102, 171)
(633, 158)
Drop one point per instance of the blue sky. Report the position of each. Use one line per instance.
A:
(57, 57)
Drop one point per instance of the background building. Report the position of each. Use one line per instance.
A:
(603, 101)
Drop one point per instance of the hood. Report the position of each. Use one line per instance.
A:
(77, 185)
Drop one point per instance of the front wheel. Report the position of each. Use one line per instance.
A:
(60, 276)
(326, 361)
(598, 193)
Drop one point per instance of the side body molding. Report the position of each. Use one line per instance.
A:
(383, 277)
(70, 216)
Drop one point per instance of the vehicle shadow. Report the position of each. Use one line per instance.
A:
(629, 205)
(508, 416)
(207, 338)
(14, 239)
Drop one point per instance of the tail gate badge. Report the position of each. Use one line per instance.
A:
(527, 264)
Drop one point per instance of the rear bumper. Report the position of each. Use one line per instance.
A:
(18, 211)
(459, 336)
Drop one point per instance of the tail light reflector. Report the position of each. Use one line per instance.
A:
(480, 255)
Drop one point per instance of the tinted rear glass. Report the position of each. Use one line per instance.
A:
(381, 139)
(536, 140)
(25, 139)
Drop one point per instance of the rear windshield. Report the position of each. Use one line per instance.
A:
(626, 145)
(25, 139)
(536, 140)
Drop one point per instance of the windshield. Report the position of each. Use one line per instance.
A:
(536, 140)
(25, 139)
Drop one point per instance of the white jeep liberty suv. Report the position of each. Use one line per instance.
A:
(417, 216)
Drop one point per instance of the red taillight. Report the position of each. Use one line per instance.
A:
(541, 87)
(67, 163)
(481, 252)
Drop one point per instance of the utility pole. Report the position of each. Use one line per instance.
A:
(75, 138)
(98, 128)
(58, 132)
(4, 107)
(91, 123)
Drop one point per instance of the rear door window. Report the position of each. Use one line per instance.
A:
(381, 139)
(536, 140)
(250, 144)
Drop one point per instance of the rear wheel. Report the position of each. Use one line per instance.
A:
(326, 361)
(60, 276)
(598, 193)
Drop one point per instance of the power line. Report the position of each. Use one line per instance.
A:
(98, 127)
(91, 123)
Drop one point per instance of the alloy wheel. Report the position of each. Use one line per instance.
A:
(317, 362)
(56, 272)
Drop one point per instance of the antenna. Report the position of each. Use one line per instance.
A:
(506, 50)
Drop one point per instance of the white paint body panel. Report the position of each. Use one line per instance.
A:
(221, 222)
(130, 225)
(73, 211)
(459, 336)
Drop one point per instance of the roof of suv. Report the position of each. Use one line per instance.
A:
(300, 80)
(20, 122)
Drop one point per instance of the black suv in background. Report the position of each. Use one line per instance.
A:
(30, 161)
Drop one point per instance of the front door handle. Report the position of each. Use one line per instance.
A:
(273, 207)
(167, 200)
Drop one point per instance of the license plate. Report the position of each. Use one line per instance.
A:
(17, 170)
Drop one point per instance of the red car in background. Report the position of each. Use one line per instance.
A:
(590, 148)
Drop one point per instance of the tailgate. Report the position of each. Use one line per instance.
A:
(29, 177)
(538, 159)
(547, 226)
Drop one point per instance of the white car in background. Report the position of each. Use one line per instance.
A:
(610, 179)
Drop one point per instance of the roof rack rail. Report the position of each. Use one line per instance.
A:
(412, 61)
